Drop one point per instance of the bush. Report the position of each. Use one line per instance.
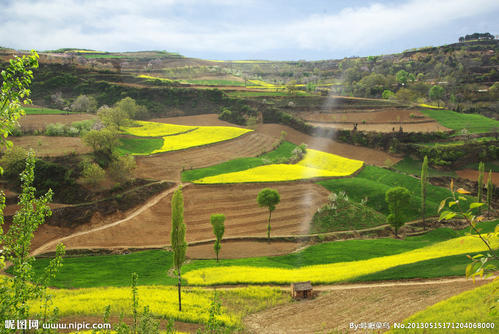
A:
(56, 129)
(121, 169)
(92, 174)
(13, 161)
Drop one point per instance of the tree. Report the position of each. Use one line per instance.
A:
(424, 184)
(397, 199)
(479, 191)
(490, 190)
(217, 221)
(436, 93)
(291, 87)
(402, 76)
(24, 284)
(269, 198)
(104, 143)
(113, 117)
(84, 103)
(179, 245)
(16, 79)
(129, 107)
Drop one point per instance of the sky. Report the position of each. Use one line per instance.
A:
(244, 29)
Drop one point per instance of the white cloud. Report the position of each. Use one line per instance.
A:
(127, 25)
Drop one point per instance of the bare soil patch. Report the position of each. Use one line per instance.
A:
(242, 249)
(238, 202)
(382, 116)
(196, 120)
(335, 310)
(39, 122)
(370, 156)
(45, 146)
(386, 127)
(472, 175)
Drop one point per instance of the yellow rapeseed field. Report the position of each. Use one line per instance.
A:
(162, 301)
(334, 272)
(203, 135)
(315, 164)
(155, 129)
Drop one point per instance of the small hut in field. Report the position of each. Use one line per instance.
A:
(301, 290)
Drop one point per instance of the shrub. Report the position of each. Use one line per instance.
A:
(56, 129)
(92, 174)
(121, 169)
(13, 161)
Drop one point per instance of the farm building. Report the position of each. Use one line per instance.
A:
(301, 290)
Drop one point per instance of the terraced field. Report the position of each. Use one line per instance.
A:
(238, 202)
(169, 165)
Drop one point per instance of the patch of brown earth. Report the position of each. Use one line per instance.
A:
(382, 116)
(385, 127)
(45, 146)
(472, 175)
(242, 249)
(335, 310)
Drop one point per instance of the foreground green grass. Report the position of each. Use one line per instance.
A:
(467, 307)
(283, 152)
(43, 111)
(139, 145)
(115, 270)
(373, 182)
(413, 167)
(456, 121)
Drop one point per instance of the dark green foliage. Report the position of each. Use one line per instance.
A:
(179, 245)
(217, 221)
(235, 117)
(397, 199)
(341, 214)
(490, 192)
(268, 198)
(413, 167)
(424, 186)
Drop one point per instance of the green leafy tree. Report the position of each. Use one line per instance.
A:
(387, 94)
(402, 76)
(268, 198)
(103, 142)
(218, 223)
(84, 103)
(179, 245)
(479, 191)
(15, 91)
(490, 191)
(424, 186)
(24, 285)
(113, 117)
(436, 93)
(397, 199)
(131, 108)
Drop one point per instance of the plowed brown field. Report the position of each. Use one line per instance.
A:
(238, 202)
(381, 121)
(45, 146)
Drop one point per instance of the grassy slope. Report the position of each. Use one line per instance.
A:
(115, 270)
(43, 111)
(373, 182)
(472, 122)
(413, 167)
(282, 152)
(139, 145)
(467, 307)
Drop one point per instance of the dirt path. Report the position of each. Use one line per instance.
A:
(338, 306)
